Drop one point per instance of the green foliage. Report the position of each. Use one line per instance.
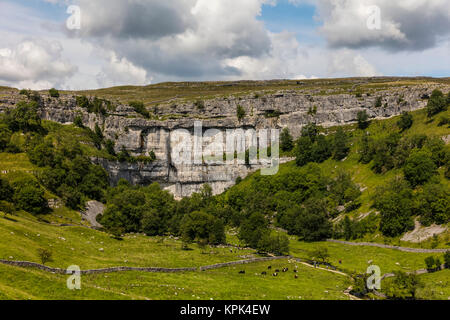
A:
(406, 121)
(31, 199)
(363, 120)
(24, 117)
(320, 253)
(395, 203)
(433, 263)
(240, 112)
(341, 145)
(198, 226)
(253, 229)
(432, 203)
(404, 286)
(447, 259)
(45, 255)
(6, 192)
(53, 93)
(312, 146)
(95, 105)
(378, 102)
(140, 108)
(286, 141)
(419, 167)
(200, 104)
(78, 121)
(276, 244)
(437, 103)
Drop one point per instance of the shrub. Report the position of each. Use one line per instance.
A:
(447, 259)
(140, 108)
(31, 199)
(6, 192)
(340, 146)
(406, 121)
(240, 112)
(53, 93)
(437, 103)
(419, 167)
(404, 286)
(363, 120)
(378, 102)
(286, 141)
(45, 255)
(78, 121)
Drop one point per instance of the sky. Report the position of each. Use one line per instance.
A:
(88, 44)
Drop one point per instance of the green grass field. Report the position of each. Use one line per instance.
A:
(226, 283)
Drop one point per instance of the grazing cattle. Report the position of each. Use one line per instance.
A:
(285, 269)
(275, 274)
(242, 272)
(269, 267)
(295, 271)
(276, 270)
(263, 273)
(296, 276)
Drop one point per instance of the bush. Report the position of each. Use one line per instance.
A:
(447, 259)
(340, 146)
(53, 93)
(44, 255)
(406, 121)
(6, 192)
(31, 199)
(140, 108)
(363, 120)
(437, 103)
(419, 168)
(24, 118)
(395, 203)
(240, 112)
(286, 141)
(78, 121)
(404, 286)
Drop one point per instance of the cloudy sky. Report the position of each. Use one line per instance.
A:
(80, 44)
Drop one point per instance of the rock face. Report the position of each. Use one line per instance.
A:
(284, 109)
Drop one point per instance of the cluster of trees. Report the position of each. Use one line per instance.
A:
(95, 105)
(23, 193)
(315, 147)
(140, 108)
(398, 203)
(419, 155)
(154, 211)
(437, 103)
(353, 229)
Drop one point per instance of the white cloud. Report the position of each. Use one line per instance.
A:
(34, 64)
(122, 72)
(405, 25)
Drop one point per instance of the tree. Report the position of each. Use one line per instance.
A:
(109, 145)
(429, 261)
(140, 108)
(312, 223)
(240, 112)
(6, 192)
(31, 199)
(340, 146)
(45, 255)
(363, 119)
(419, 167)
(286, 140)
(404, 286)
(24, 117)
(378, 102)
(395, 203)
(437, 103)
(53, 93)
(78, 121)
(406, 121)
(253, 229)
(5, 136)
(447, 259)
(321, 253)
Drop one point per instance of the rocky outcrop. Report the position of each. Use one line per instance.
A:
(284, 109)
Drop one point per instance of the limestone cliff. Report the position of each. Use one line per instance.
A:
(277, 110)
